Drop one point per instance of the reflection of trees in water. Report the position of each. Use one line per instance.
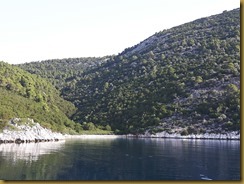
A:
(144, 159)
(28, 151)
(131, 159)
(48, 161)
(31, 161)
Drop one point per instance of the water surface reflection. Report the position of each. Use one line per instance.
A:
(122, 159)
(29, 151)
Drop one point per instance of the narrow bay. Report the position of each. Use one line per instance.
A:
(122, 159)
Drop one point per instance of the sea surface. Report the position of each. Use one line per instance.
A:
(121, 159)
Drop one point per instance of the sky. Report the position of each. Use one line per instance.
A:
(55, 29)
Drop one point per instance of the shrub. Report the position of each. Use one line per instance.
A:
(89, 126)
(184, 132)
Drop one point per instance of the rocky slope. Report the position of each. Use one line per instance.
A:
(29, 131)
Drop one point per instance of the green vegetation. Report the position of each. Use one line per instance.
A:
(185, 79)
(61, 72)
(25, 95)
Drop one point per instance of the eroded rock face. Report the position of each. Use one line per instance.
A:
(19, 131)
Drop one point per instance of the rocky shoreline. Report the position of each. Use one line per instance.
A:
(29, 131)
(234, 135)
(227, 136)
(17, 132)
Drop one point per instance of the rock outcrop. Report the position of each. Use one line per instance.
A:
(234, 135)
(18, 131)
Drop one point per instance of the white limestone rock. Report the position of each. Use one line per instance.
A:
(234, 135)
(28, 132)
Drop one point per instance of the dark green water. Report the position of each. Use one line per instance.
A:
(122, 159)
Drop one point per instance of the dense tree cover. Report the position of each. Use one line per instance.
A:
(185, 79)
(61, 72)
(25, 95)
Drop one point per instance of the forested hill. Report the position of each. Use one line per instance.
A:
(24, 95)
(61, 72)
(185, 79)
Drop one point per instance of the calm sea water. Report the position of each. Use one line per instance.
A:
(121, 159)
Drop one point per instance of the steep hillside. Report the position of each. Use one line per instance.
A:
(185, 79)
(25, 95)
